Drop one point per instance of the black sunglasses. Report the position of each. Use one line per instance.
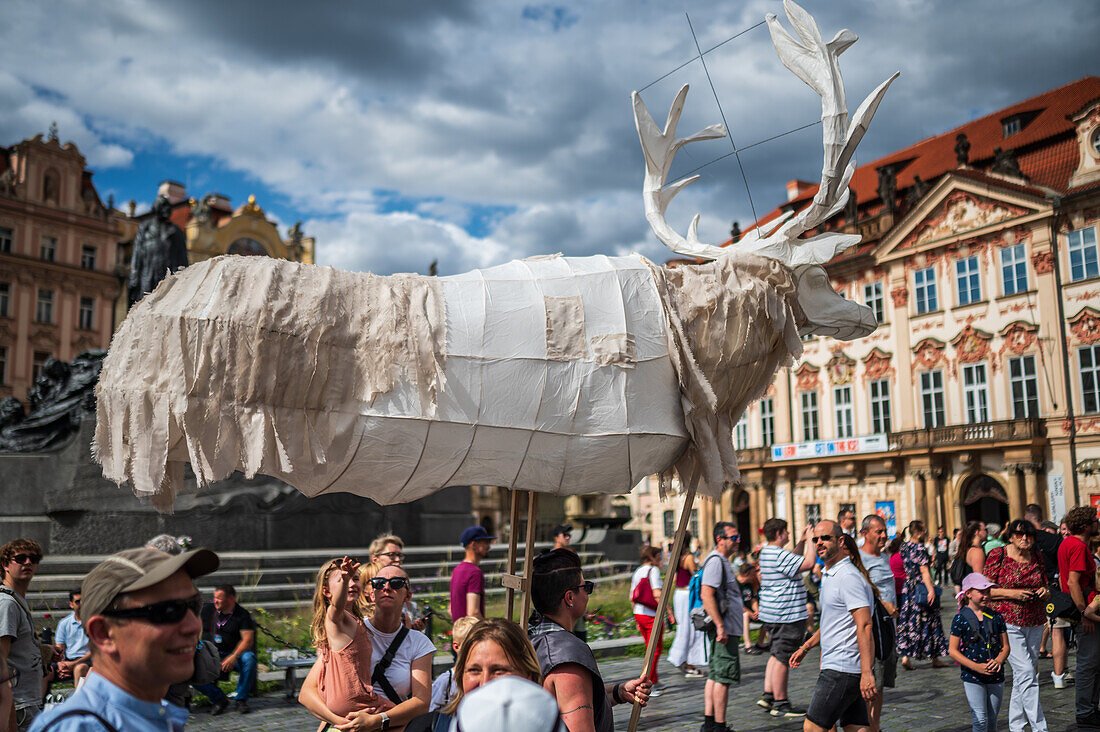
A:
(396, 583)
(161, 613)
(27, 558)
(818, 539)
(588, 586)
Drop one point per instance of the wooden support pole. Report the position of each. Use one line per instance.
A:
(528, 557)
(510, 568)
(666, 596)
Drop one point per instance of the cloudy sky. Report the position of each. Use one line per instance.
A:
(477, 132)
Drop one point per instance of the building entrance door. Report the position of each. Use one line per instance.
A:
(985, 500)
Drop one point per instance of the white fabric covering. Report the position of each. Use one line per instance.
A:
(554, 374)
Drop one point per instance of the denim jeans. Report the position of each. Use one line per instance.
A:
(1023, 657)
(1088, 663)
(985, 705)
(246, 666)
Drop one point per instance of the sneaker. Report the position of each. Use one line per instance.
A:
(784, 709)
(242, 706)
(1089, 721)
(693, 673)
(721, 728)
(1069, 676)
(655, 692)
(1058, 679)
(754, 650)
(219, 706)
(766, 701)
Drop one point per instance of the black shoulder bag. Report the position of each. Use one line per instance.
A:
(378, 678)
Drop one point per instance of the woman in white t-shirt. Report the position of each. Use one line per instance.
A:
(645, 603)
(409, 675)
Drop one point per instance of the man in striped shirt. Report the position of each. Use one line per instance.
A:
(782, 609)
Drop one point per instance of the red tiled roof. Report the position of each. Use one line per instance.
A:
(1046, 146)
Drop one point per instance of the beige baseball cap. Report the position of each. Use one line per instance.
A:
(136, 569)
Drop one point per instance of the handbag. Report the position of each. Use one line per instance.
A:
(1061, 605)
(642, 593)
(921, 599)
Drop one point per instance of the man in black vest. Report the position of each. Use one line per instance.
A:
(560, 594)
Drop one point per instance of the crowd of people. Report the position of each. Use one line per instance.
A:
(139, 637)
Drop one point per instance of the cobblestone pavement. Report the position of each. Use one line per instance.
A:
(925, 699)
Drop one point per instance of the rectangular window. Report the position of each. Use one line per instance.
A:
(880, 406)
(741, 432)
(1024, 387)
(693, 523)
(975, 393)
(670, 529)
(87, 257)
(37, 364)
(1082, 254)
(767, 421)
(3, 364)
(969, 280)
(924, 281)
(872, 298)
(5, 299)
(809, 416)
(48, 249)
(6, 237)
(813, 513)
(842, 404)
(931, 396)
(87, 313)
(1089, 359)
(44, 312)
(1014, 269)
(1010, 126)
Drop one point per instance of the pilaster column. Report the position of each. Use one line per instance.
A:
(1031, 485)
(920, 505)
(935, 500)
(1016, 490)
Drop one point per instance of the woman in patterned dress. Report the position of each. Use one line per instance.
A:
(920, 629)
(1019, 595)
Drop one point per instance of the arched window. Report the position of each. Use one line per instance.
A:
(248, 247)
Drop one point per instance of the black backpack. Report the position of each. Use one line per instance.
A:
(959, 570)
(882, 630)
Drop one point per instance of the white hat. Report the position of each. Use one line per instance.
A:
(508, 704)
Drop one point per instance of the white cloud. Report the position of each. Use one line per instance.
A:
(460, 107)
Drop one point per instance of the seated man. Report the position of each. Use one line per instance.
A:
(139, 612)
(74, 658)
(569, 670)
(231, 629)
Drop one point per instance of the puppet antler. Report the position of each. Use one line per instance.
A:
(816, 63)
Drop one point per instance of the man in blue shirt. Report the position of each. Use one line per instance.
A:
(72, 643)
(140, 613)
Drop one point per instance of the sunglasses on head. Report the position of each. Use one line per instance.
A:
(395, 583)
(27, 558)
(160, 613)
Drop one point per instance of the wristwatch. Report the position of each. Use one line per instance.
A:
(385, 720)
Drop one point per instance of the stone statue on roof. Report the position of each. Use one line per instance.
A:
(160, 247)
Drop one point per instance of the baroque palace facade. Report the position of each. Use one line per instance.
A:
(980, 391)
(65, 254)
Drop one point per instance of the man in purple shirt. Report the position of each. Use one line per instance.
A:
(468, 581)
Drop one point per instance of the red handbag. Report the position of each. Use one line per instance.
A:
(642, 594)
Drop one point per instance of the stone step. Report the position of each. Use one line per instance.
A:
(429, 555)
(286, 596)
(47, 580)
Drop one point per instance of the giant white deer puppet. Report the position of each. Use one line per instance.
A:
(551, 374)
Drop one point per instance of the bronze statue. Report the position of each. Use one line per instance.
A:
(159, 247)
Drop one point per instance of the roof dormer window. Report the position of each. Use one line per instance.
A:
(1011, 126)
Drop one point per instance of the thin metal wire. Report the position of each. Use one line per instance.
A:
(729, 130)
(712, 48)
(750, 147)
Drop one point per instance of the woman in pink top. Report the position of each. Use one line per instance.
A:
(342, 641)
